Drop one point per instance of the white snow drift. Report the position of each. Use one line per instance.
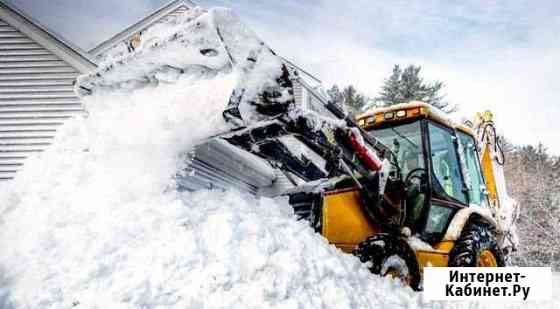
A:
(95, 222)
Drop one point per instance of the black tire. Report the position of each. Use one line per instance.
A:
(378, 248)
(477, 236)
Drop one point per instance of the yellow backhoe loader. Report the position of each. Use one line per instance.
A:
(444, 213)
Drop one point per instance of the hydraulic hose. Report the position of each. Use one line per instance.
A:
(489, 129)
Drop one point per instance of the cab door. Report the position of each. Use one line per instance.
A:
(449, 192)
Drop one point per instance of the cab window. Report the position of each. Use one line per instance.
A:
(446, 169)
(473, 171)
(438, 219)
(405, 141)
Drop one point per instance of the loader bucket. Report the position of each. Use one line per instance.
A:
(203, 44)
(216, 164)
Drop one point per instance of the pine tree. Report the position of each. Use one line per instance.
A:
(353, 100)
(407, 85)
(390, 91)
(336, 95)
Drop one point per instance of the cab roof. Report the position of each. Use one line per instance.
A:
(414, 109)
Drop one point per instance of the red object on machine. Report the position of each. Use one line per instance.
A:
(365, 154)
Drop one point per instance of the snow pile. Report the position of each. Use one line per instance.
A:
(96, 222)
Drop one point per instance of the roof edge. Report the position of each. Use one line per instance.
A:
(33, 29)
(139, 25)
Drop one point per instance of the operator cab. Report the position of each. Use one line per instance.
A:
(437, 161)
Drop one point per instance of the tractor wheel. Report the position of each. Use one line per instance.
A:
(477, 246)
(390, 256)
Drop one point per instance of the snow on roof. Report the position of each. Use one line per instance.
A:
(70, 53)
(141, 25)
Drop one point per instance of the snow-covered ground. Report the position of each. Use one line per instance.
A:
(96, 221)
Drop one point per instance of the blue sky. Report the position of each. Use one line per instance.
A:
(501, 55)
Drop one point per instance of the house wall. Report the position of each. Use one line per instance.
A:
(36, 96)
(310, 99)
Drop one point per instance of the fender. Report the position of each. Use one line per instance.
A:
(462, 216)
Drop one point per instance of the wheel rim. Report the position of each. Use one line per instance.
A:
(487, 259)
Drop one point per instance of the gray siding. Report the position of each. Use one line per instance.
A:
(298, 93)
(36, 96)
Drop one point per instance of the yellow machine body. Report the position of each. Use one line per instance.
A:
(488, 172)
(488, 157)
(345, 224)
(439, 257)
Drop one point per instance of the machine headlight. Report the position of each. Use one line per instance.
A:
(401, 114)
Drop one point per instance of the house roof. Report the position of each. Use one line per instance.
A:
(301, 71)
(73, 55)
(140, 25)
